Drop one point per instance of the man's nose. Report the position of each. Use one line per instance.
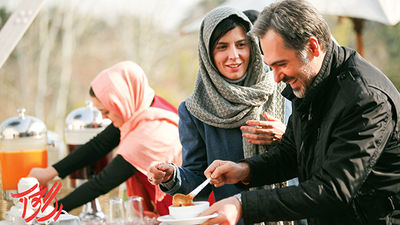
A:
(278, 76)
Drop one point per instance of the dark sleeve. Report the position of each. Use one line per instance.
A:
(95, 149)
(357, 141)
(118, 171)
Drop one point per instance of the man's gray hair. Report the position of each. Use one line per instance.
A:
(296, 21)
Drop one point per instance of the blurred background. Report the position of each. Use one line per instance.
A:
(70, 42)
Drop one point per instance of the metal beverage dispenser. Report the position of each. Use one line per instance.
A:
(23, 145)
(81, 125)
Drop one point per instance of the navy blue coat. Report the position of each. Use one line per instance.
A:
(201, 145)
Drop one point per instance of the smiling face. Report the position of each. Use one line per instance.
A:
(232, 53)
(116, 119)
(286, 64)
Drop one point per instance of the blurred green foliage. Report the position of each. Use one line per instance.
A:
(3, 16)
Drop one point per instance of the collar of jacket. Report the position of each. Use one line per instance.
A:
(334, 59)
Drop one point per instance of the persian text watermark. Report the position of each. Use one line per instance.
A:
(39, 201)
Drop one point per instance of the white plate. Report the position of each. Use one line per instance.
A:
(187, 221)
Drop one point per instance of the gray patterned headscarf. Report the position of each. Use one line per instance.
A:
(220, 103)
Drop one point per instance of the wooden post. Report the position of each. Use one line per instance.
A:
(358, 28)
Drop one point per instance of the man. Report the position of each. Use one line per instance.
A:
(342, 140)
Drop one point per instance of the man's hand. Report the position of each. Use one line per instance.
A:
(229, 212)
(227, 172)
(264, 132)
(159, 173)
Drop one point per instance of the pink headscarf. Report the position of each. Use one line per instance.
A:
(148, 134)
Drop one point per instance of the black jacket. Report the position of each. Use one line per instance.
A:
(342, 141)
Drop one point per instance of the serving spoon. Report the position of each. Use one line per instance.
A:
(186, 200)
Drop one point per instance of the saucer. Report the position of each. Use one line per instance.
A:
(188, 221)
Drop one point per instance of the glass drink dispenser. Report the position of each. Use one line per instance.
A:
(23, 145)
(83, 124)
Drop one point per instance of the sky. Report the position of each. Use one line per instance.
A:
(168, 13)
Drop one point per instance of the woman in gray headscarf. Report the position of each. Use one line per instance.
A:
(233, 87)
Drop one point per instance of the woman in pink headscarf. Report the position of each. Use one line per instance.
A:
(148, 128)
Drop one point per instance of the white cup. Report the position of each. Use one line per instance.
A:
(26, 183)
(183, 212)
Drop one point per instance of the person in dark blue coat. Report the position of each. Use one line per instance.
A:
(234, 112)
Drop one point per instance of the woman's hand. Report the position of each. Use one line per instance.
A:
(264, 132)
(160, 173)
(43, 175)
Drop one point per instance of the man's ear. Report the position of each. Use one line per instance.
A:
(315, 47)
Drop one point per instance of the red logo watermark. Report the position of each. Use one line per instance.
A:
(40, 200)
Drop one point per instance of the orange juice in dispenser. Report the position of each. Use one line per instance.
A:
(23, 145)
